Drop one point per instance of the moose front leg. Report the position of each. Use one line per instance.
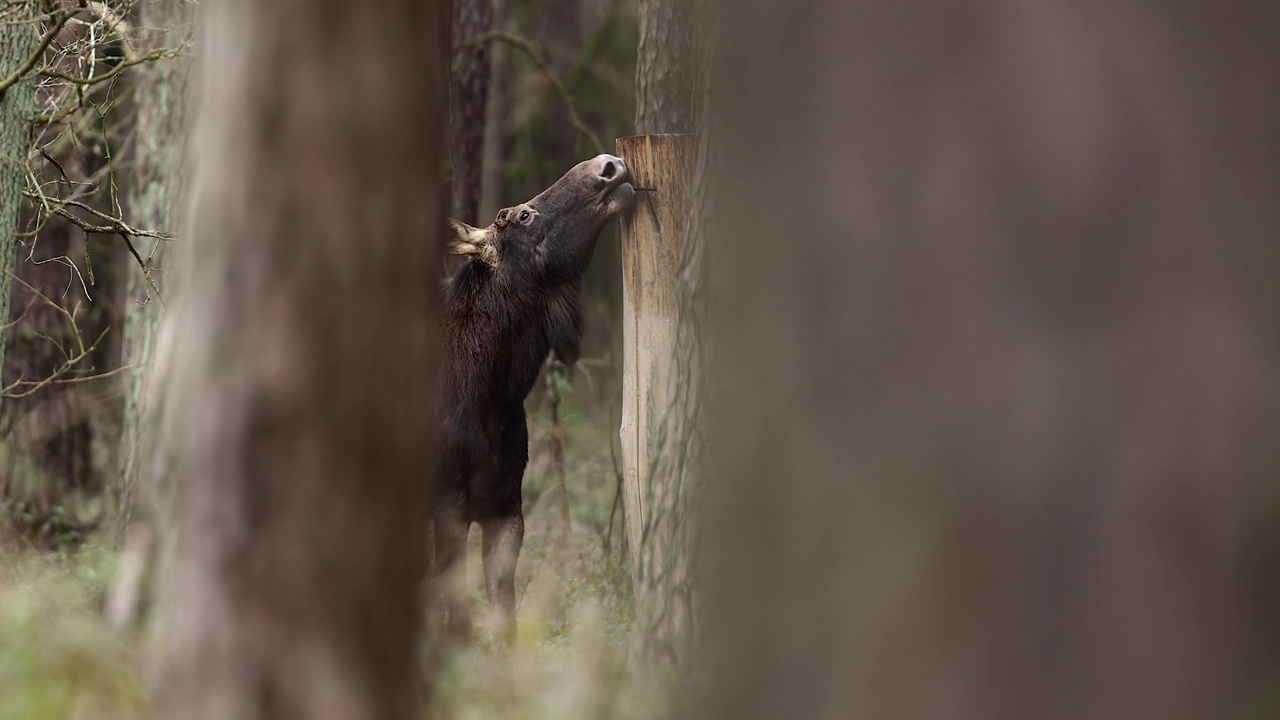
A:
(450, 564)
(503, 537)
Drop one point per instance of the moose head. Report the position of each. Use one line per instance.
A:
(553, 235)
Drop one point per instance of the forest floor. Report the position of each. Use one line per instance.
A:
(60, 658)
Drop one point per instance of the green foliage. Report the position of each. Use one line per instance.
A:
(58, 657)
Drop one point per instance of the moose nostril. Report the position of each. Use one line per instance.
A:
(609, 170)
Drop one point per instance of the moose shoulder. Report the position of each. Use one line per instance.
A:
(513, 300)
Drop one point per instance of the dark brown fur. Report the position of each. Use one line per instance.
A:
(511, 302)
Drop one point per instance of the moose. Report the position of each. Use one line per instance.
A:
(513, 300)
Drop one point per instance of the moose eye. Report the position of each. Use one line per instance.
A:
(524, 216)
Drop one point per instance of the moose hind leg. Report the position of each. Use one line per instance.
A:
(451, 570)
(503, 537)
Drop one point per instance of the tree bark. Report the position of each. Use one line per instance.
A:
(472, 70)
(999, 351)
(153, 201)
(666, 68)
(298, 362)
(673, 90)
(653, 244)
(17, 42)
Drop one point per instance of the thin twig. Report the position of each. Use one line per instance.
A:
(60, 19)
(617, 495)
(161, 54)
(67, 365)
(553, 377)
(82, 379)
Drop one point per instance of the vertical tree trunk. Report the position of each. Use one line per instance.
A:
(662, 515)
(653, 244)
(561, 32)
(470, 97)
(60, 437)
(492, 170)
(17, 42)
(299, 363)
(153, 201)
(666, 68)
(1000, 350)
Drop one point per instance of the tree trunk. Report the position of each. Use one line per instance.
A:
(153, 201)
(298, 363)
(67, 301)
(17, 42)
(470, 97)
(492, 170)
(1000, 360)
(666, 68)
(673, 91)
(652, 433)
(561, 33)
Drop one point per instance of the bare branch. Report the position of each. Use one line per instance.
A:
(162, 54)
(21, 71)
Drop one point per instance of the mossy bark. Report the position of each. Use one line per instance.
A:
(17, 43)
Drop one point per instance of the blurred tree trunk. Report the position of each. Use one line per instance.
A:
(1001, 400)
(153, 201)
(666, 68)
(298, 363)
(491, 182)
(472, 70)
(17, 42)
(561, 32)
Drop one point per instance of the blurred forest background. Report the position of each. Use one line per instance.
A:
(990, 430)
(537, 86)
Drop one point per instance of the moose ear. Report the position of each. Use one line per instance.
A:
(466, 240)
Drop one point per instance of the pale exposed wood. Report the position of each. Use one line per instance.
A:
(653, 236)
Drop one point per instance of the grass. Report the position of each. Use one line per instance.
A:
(59, 658)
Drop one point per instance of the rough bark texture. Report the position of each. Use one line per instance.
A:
(298, 362)
(1000, 360)
(666, 68)
(153, 201)
(664, 554)
(472, 70)
(17, 42)
(653, 244)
